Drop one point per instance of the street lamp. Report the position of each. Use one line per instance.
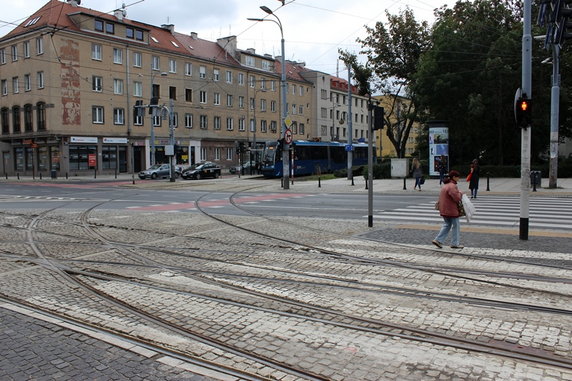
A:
(285, 146)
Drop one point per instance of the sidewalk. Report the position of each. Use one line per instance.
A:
(228, 182)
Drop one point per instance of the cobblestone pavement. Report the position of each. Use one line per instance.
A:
(39, 348)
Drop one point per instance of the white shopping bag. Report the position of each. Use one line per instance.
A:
(469, 208)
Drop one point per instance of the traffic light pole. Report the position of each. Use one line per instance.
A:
(554, 116)
(526, 132)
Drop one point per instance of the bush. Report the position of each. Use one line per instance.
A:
(356, 171)
(380, 171)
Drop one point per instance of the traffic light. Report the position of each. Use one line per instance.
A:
(523, 112)
(378, 117)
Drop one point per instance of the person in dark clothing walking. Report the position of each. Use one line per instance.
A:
(474, 178)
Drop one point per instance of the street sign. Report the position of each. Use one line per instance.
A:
(349, 147)
(288, 136)
(288, 121)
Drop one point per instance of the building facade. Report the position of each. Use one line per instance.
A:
(70, 78)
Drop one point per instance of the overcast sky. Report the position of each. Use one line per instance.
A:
(314, 30)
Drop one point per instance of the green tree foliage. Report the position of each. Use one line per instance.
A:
(393, 53)
(470, 75)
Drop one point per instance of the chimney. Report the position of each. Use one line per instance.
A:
(169, 27)
(228, 44)
(194, 35)
(120, 14)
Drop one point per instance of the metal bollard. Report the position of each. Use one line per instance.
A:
(404, 184)
(319, 182)
(488, 183)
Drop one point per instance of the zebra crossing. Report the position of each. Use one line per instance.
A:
(544, 212)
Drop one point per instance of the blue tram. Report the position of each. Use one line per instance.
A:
(308, 157)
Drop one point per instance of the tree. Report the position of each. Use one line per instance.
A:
(393, 53)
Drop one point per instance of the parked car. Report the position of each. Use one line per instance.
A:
(202, 170)
(157, 171)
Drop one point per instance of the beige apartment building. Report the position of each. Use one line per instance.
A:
(71, 76)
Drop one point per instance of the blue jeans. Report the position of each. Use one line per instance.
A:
(417, 182)
(453, 225)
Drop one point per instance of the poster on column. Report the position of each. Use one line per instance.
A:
(438, 149)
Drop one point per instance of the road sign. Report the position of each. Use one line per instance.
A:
(288, 136)
(349, 147)
(288, 121)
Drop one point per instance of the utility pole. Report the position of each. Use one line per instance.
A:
(554, 116)
(526, 132)
(350, 125)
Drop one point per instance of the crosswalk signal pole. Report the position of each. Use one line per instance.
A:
(526, 132)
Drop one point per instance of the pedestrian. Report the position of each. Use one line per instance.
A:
(417, 173)
(449, 199)
(474, 178)
(442, 168)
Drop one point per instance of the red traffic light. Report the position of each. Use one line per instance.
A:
(523, 112)
(524, 105)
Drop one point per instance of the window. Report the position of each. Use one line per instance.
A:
(109, 28)
(137, 89)
(216, 75)
(172, 66)
(129, 32)
(252, 103)
(263, 105)
(28, 124)
(252, 81)
(216, 124)
(157, 120)
(301, 129)
(155, 63)
(203, 96)
(2, 56)
(117, 56)
(263, 83)
(16, 119)
(118, 86)
(240, 101)
(173, 93)
(188, 95)
(27, 82)
(263, 126)
(40, 79)
(40, 45)
(175, 117)
(266, 65)
(188, 68)
(14, 53)
(241, 79)
(229, 100)
(216, 99)
(26, 49)
(97, 114)
(203, 153)
(252, 125)
(138, 119)
(204, 122)
(228, 76)
(229, 124)
(323, 112)
(217, 153)
(301, 110)
(229, 152)
(188, 120)
(273, 106)
(99, 25)
(137, 59)
(202, 72)
(5, 120)
(273, 85)
(241, 124)
(97, 83)
(273, 125)
(249, 61)
(139, 34)
(79, 156)
(96, 52)
(4, 86)
(15, 85)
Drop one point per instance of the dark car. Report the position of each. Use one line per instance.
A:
(201, 171)
(157, 171)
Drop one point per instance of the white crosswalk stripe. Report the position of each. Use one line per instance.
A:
(544, 213)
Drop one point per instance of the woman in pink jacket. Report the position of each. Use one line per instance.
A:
(449, 198)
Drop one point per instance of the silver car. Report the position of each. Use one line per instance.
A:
(157, 171)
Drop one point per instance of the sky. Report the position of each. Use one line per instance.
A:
(313, 30)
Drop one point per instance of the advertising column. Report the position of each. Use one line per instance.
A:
(438, 148)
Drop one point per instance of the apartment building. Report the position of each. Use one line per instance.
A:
(331, 112)
(70, 78)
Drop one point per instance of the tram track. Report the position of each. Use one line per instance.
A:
(132, 250)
